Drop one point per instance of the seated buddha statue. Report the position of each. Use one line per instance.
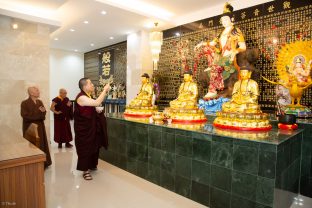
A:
(188, 93)
(245, 95)
(144, 98)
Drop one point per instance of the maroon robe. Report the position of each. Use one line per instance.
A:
(31, 114)
(90, 135)
(62, 130)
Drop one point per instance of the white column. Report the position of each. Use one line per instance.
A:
(139, 61)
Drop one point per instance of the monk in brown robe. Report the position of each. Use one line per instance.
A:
(63, 113)
(87, 129)
(33, 111)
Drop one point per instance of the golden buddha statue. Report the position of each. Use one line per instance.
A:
(245, 95)
(142, 106)
(184, 109)
(144, 98)
(188, 93)
(242, 112)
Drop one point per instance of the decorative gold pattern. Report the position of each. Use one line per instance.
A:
(286, 5)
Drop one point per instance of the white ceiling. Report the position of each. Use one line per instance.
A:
(120, 19)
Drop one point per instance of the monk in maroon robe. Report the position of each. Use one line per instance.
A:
(33, 111)
(63, 113)
(88, 131)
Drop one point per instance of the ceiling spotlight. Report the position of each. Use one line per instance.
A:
(103, 12)
(92, 44)
(15, 26)
(55, 38)
(86, 22)
(178, 34)
(111, 38)
(99, 53)
(72, 30)
(76, 50)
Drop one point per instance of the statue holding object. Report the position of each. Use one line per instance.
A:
(223, 50)
(293, 66)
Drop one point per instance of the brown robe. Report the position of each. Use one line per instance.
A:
(31, 114)
(90, 135)
(62, 130)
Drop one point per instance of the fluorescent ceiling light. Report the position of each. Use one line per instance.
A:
(140, 7)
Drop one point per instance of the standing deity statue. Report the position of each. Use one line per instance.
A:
(226, 46)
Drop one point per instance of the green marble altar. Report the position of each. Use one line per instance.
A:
(219, 169)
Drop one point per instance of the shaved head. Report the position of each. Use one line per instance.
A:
(62, 93)
(62, 90)
(33, 91)
(82, 82)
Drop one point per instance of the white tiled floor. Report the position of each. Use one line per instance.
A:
(111, 187)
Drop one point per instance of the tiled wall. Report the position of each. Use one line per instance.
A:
(24, 60)
(306, 161)
(212, 170)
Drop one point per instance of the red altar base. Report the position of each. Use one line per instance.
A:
(138, 115)
(287, 126)
(188, 121)
(243, 128)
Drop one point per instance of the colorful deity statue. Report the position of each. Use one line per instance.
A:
(226, 46)
(293, 66)
(300, 71)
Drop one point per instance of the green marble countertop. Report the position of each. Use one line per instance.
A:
(275, 136)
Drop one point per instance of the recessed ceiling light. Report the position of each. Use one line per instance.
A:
(99, 53)
(149, 25)
(76, 50)
(111, 38)
(72, 30)
(15, 26)
(92, 44)
(178, 34)
(86, 22)
(55, 38)
(103, 12)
